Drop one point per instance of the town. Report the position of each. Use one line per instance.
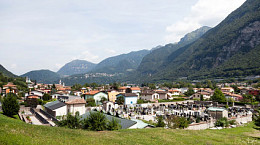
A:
(140, 106)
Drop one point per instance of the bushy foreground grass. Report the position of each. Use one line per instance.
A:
(13, 131)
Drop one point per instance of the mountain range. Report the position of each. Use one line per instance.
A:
(231, 49)
(76, 67)
(43, 76)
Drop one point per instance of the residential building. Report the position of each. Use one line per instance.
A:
(76, 105)
(175, 92)
(112, 95)
(227, 90)
(149, 96)
(9, 88)
(56, 108)
(96, 95)
(129, 98)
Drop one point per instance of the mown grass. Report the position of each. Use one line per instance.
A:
(13, 131)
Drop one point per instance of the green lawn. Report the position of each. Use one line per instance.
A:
(13, 131)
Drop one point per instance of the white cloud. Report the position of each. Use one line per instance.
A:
(203, 13)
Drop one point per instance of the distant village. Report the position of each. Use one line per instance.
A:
(136, 106)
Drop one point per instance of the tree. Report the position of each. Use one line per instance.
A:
(10, 105)
(209, 84)
(46, 97)
(218, 96)
(96, 121)
(201, 98)
(91, 102)
(248, 99)
(113, 124)
(103, 99)
(120, 100)
(152, 86)
(76, 87)
(189, 92)
(177, 122)
(222, 122)
(160, 122)
(71, 121)
(115, 86)
(256, 117)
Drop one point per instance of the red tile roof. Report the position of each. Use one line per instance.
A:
(92, 92)
(135, 88)
(33, 97)
(76, 101)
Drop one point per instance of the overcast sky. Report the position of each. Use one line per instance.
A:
(46, 34)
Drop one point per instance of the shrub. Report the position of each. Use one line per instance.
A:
(232, 122)
(113, 124)
(177, 122)
(10, 105)
(160, 122)
(91, 102)
(46, 97)
(222, 122)
(70, 121)
(95, 121)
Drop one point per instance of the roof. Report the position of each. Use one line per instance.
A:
(122, 88)
(77, 101)
(92, 92)
(233, 95)
(140, 123)
(54, 105)
(147, 93)
(161, 92)
(33, 97)
(226, 88)
(125, 123)
(216, 109)
(174, 90)
(9, 84)
(135, 88)
(128, 94)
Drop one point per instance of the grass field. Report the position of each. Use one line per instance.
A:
(13, 131)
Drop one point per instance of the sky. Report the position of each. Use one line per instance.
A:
(46, 34)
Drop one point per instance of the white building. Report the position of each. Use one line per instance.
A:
(76, 105)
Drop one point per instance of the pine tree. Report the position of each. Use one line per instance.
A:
(10, 105)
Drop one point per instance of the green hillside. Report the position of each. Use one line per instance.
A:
(6, 76)
(43, 76)
(17, 132)
(231, 49)
(154, 60)
(123, 63)
(76, 67)
(5, 72)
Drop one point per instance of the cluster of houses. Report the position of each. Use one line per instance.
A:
(66, 100)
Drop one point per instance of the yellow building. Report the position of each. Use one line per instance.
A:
(112, 95)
